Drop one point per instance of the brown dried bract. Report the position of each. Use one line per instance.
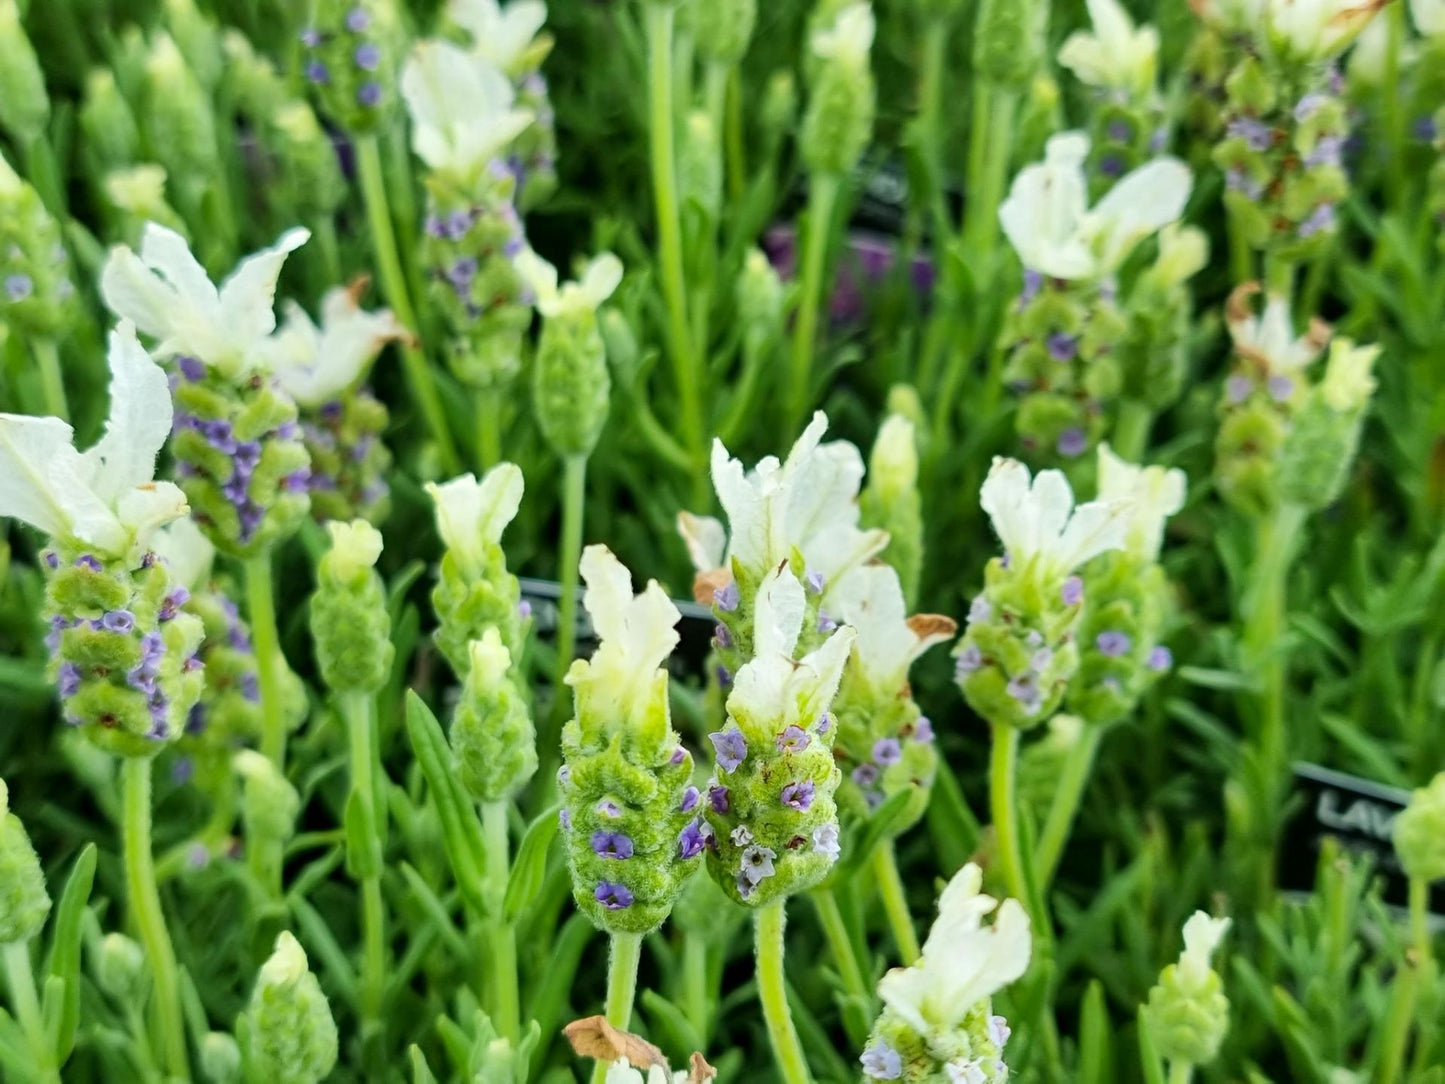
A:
(932, 626)
(594, 1037)
(700, 1071)
(706, 584)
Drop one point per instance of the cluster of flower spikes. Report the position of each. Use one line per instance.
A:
(349, 58)
(771, 804)
(471, 240)
(631, 816)
(35, 285)
(239, 457)
(349, 462)
(1282, 156)
(122, 650)
(1060, 339)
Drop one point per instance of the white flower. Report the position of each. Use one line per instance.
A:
(1318, 29)
(188, 553)
(355, 548)
(137, 188)
(599, 281)
(1050, 225)
(1202, 936)
(461, 109)
(1183, 253)
(105, 497)
(1038, 524)
(850, 38)
(635, 633)
(1429, 16)
(1153, 494)
(963, 960)
(622, 1071)
(809, 502)
(870, 599)
(166, 293)
(1234, 16)
(1117, 54)
(1268, 339)
(472, 515)
(286, 965)
(1349, 381)
(319, 364)
(772, 691)
(500, 35)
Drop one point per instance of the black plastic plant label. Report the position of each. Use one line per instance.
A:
(695, 629)
(1360, 815)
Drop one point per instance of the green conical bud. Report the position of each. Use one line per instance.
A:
(1319, 450)
(891, 500)
(1006, 41)
(311, 171)
(699, 165)
(1419, 832)
(723, 29)
(24, 903)
(269, 803)
(779, 111)
(760, 300)
(36, 292)
(571, 384)
(290, 1034)
(1188, 1014)
(349, 619)
(120, 968)
(179, 120)
(110, 138)
(138, 194)
(350, 61)
(220, 1058)
(492, 734)
(24, 105)
(251, 80)
(198, 38)
(843, 98)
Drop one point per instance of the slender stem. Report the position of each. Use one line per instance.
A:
(1180, 1072)
(735, 148)
(660, 19)
(821, 199)
(1065, 806)
(930, 113)
(840, 944)
(1399, 1019)
(1131, 429)
(52, 381)
(574, 487)
(773, 993)
(895, 903)
(393, 285)
(1003, 805)
(501, 937)
(622, 964)
(988, 166)
(358, 708)
(489, 428)
(267, 641)
(697, 997)
(150, 922)
(27, 1009)
(1394, 118)
(323, 227)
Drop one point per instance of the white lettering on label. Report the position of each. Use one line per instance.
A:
(1361, 815)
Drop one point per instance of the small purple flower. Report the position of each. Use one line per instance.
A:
(825, 623)
(367, 57)
(923, 730)
(220, 434)
(1040, 659)
(758, 862)
(887, 751)
(1426, 129)
(250, 688)
(825, 723)
(286, 431)
(1238, 388)
(182, 770)
(1113, 643)
(980, 609)
(247, 454)
(612, 896)
(193, 369)
(1073, 442)
(1258, 135)
(1280, 388)
(1322, 218)
(724, 677)
(717, 799)
(799, 795)
(969, 659)
(1033, 283)
(1111, 165)
(1120, 131)
(1237, 180)
(434, 226)
(825, 839)
(865, 775)
(1161, 658)
(881, 1062)
(616, 845)
(745, 887)
(608, 808)
(192, 664)
(173, 602)
(1073, 591)
(722, 637)
(18, 287)
(1025, 689)
(998, 1031)
(564, 818)
(67, 680)
(118, 621)
(815, 582)
(731, 747)
(238, 639)
(369, 94)
(691, 842)
(1328, 152)
(727, 598)
(793, 740)
(1308, 106)
(690, 798)
(316, 72)
(311, 37)
(357, 20)
(459, 223)
(152, 649)
(741, 836)
(297, 480)
(86, 560)
(678, 756)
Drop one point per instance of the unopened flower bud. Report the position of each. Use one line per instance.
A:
(492, 733)
(723, 29)
(349, 59)
(269, 803)
(891, 500)
(699, 164)
(198, 39)
(308, 157)
(24, 105)
(290, 1033)
(36, 292)
(139, 194)
(349, 620)
(120, 968)
(179, 118)
(1187, 1013)
(110, 138)
(1006, 41)
(24, 902)
(220, 1058)
(1419, 832)
(843, 97)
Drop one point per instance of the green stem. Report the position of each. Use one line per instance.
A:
(697, 996)
(660, 19)
(1180, 1072)
(1131, 430)
(489, 428)
(501, 937)
(27, 1009)
(840, 944)
(622, 964)
(773, 993)
(822, 196)
(1394, 118)
(323, 228)
(267, 644)
(735, 148)
(1065, 806)
(989, 156)
(358, 708)
(393, 284)
(52, 381)
(930, 113)
(574, 489)
(895, 904)
(1402, 1004)
(1003, 805)
(150, 922)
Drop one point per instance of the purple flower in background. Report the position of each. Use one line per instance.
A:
(793, 740)
(690, 798)
(612, 896)
(1120, 131)
(1025, 689)
(717, 798)
(1062, 346)
(118, 621)
(923, 730)
(998, 1031)
(745, 887)
(250, 689)
(193, 369)
(1320, 219)
(1258, 135)
(1111, 165)
(1073, 591)
(564, 818)
(369, 94)
(86, 560)
(524, 609)
(980, 609)
(825, 839)
(731, 747)
(825, 723)
(1308, 106)
(18, 287)
(825, 623)
(691, 841)
(357, 20)
(799, 795)
(67, 680)
(1073, 442)
(611, 844)
(1328, 152)
(608, 808)
(311, 37)
(887, 751)
(1161, 658)
(1238, 388)
(815, 582)
(678, 756)
(316, 72)
(727, 598)
(865, 775)
(724, 677)
(969, 659)
(1033, 283)
(881, 1062)
(1280, 388)
(1113, 643)
(722, 636)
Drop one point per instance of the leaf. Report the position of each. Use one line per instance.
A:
(435, 909)
(1095, 1050)
(665, 1017)
(875, 828)
(1148, 1055)
(529, 869)
(420, 1071)
(363, 849)
(62, 1012)
(461, 828)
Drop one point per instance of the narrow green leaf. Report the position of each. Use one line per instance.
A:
(530, 866)
(420, 1071)
(1095, 1049)
(461, 828)
(62, 1003)
(1148, 1055)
